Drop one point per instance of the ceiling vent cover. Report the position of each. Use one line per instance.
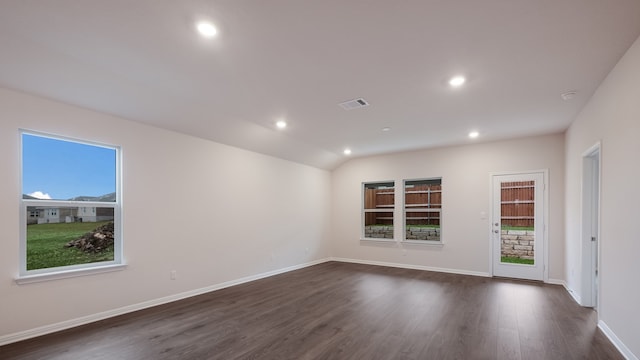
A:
(354, 104)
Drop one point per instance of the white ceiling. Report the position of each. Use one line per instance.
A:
(297, 59)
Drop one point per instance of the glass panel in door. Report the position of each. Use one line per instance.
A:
(517, 218)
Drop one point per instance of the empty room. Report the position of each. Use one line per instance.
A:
(284, 179)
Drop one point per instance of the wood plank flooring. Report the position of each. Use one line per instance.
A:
(344, 311)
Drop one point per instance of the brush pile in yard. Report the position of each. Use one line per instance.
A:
(95, 241)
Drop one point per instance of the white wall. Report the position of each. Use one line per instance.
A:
(465, 172)
(613, 117)
(211, 212)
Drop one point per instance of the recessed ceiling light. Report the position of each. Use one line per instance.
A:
(386, 128)
(457, 81)
(206, 29)
(474, 134)
(281, 124)
(347, 151)
(568, 95)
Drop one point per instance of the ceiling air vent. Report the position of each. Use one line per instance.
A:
(354, 104)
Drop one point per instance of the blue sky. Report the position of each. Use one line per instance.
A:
(64, 169)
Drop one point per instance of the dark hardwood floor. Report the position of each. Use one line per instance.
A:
(344, 311)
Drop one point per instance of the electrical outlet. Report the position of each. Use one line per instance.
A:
(173, 274)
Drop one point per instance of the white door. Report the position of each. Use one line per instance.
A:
(517, 228)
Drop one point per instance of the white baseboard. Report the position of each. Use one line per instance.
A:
(557, 282)
(574, 295)
(624, 350)
(48, 329)
(413, 267)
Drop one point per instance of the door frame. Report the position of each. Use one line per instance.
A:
(590, 225)
(545, 216)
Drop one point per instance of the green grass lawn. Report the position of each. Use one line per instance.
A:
(46, 245)
(525, 228)
(412, 226)
(515, 260)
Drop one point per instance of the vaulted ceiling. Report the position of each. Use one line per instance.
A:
(296, 60)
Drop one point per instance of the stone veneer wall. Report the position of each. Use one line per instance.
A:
(422, 233)
(378, 232)
(412, 233)
(517, 243)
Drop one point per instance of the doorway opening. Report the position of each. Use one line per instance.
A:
(590, 239)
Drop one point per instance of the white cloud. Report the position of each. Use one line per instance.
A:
(40, 195)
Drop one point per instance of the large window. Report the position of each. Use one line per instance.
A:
(378, 207)
(70, 210)
(423, 210)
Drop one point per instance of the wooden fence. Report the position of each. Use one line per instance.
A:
(517, 203)
(379, 199)
(418, 198)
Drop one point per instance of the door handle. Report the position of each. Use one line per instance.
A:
(496, 231)
(497, 224)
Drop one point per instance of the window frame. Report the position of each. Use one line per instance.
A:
(364, 210)
(29, 276)
(419, 209)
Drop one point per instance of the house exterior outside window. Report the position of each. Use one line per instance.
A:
(70, 188)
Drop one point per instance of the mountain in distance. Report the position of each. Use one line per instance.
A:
(111, 197)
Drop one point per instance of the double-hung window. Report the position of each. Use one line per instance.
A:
(423, 210)
(70, 208)
(378, 201)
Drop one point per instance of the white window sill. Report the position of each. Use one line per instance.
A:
(64, 274)
(423, 242)
(378, 240)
